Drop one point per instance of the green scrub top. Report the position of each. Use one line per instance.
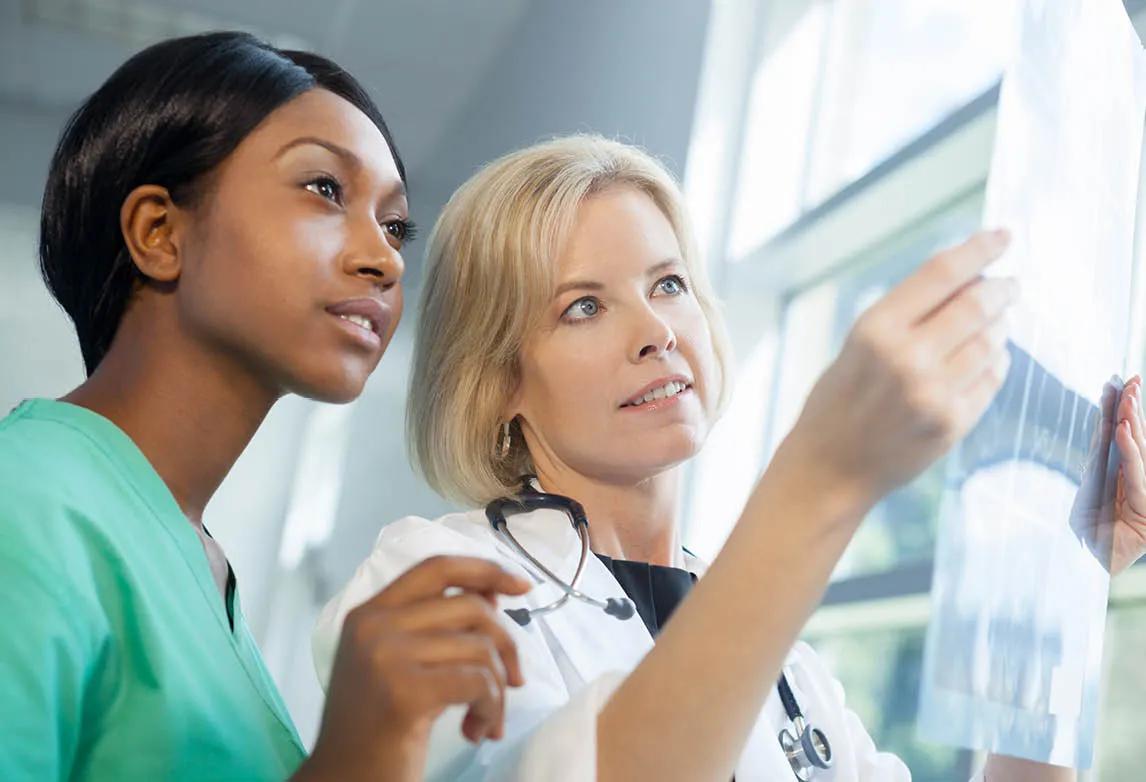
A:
(117, 659)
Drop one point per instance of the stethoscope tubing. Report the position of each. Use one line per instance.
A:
(568, 589)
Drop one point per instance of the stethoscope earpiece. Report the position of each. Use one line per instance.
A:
(519, 615)
(620, 607)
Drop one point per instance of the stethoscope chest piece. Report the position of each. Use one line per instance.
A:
(807, 749)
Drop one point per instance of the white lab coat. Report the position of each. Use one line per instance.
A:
(573, 658)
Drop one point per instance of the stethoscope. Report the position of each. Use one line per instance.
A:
(805, 746)
(527, 501)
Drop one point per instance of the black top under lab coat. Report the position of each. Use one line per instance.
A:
(656, 590)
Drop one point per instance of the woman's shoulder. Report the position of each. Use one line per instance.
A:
(406, 541)
(400, 545)
(467, 529)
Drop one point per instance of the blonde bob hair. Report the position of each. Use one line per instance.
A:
(489, 276)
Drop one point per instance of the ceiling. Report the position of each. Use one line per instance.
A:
(420, 60)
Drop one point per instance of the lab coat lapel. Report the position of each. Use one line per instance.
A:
(594, 642)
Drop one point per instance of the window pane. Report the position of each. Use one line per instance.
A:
(1119, 750)
(778, 127)
(880, 672)
(727, 469)
(895, 69)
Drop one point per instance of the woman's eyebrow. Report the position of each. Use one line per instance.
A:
(589, 285)
(342, 152)
(396, 193)
(593, 285)
(667, 263)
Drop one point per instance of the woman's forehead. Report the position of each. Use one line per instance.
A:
(620, 232)
(321, 115)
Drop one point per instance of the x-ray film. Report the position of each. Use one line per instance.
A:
(1014, 648)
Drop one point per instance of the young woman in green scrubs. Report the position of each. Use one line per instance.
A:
(223, 222)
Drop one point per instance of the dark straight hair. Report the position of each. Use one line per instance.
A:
(168, 116)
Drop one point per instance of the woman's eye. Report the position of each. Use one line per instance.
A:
(582, 309)
(327, 187)
(402, 230)
(673, 285)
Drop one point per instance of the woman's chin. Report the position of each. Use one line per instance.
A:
(336, 388)
(656, 458)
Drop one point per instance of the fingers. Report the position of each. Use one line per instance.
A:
(476, 686)
(1131, 441)
(1110, 399)
(965, 317)
(433, 576)
(980, 393)
(419, 650)
(1133, 469)
(1131, 410)
(470, 649)
(976, 355)
(943, 276)
(459, 614)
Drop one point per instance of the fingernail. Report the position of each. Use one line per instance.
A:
(1001, 237)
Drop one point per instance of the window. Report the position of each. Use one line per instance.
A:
(864, 134)
(846, 85)
(880, 671)
(895, 68)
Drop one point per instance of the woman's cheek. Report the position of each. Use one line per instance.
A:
(397, 300)
(701, 355)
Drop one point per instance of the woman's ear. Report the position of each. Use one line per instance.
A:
(513, 405)
(149, 222)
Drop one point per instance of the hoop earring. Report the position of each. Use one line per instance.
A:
(506, 441)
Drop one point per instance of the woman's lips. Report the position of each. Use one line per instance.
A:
(659, 390)
(667, 403)
(365, 319)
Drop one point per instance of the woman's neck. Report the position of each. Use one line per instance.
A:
(191, 413)
(627, 520)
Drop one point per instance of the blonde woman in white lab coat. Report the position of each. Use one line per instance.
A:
(568, 331)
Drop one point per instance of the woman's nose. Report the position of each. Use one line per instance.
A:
(656, 337)
(373, 256)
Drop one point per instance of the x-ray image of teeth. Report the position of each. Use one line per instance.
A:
(1020, 586)
(1014, 648)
